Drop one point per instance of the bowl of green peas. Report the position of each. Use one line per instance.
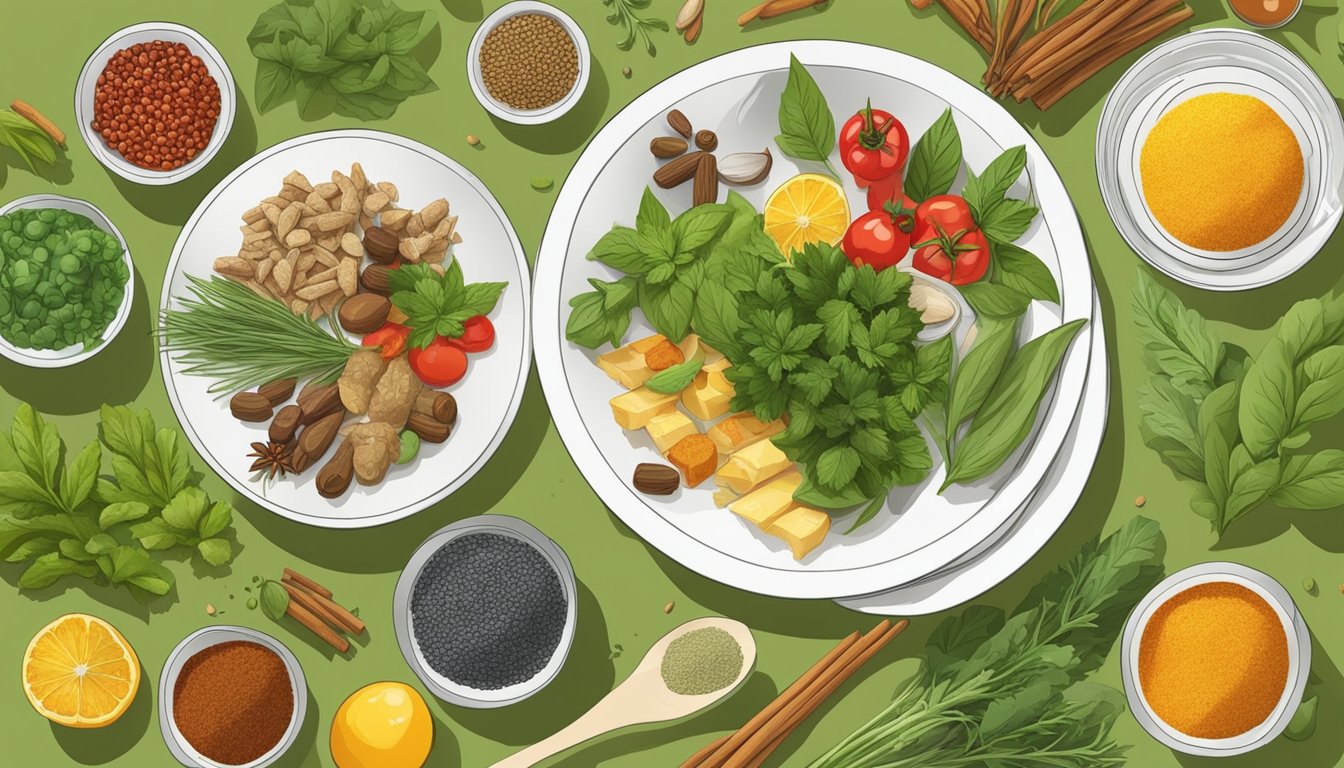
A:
(66, 281)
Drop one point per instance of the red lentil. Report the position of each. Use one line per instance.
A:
(156, 104)
(233, 701)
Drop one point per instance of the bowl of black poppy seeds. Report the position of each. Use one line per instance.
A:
(528, 63)
(485, 611)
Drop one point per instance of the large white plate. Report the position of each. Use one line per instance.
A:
(737, 95)
(488, 396)
(1023, 536)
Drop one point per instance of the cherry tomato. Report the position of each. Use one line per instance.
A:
(478, 335)
(873, 144)
(439, 364)
(889, 190)
(879, 238)
(950, 212)
(959, 258)
(391, 337)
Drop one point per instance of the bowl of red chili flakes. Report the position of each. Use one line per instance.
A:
(155, 102)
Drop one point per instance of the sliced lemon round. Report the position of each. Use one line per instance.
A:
(808, 208)
(79, 671)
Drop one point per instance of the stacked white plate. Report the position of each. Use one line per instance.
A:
(920, 533)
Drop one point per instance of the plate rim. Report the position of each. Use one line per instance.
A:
(663, 534)
(525, 353)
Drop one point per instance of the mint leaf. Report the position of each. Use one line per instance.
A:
(1022, 270)
(652, 213)
(216, 520)
(79, 478)
(806, 125)
(987, 190)
(215, 551)
(48, 568)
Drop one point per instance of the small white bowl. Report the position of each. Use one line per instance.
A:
(60, 358)
(194, 644)
(456, 693)
(1299, 658)
(146, 33)
(521, 116)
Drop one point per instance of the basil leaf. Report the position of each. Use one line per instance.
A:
(1177, 342)
(155, 534)
(274, 599)
(79, 478)
(868, 513)
(46, 569)
(652, 213)
(806, 126)
(37, 445)
(1022, 270)
(987, 190)
(977, 374)
(218, 518)
(991, 300)
(813, 495)
(698, 226)
(668, 307)
(1321, 387)
(716, 318)
(1312, 482)
(1009, 411)
(672, 380)
(1268, 400)
(1007, 220)
(935, 160)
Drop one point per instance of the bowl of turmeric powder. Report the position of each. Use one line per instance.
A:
(1219, 159)
(1216, 658)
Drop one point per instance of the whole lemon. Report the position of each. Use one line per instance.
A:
(383, 725)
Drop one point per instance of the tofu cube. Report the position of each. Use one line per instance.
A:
(626, 367)
(751, 466)
(765, 504)
(709, 395)
(696, 457)
(636, 408)
(667, 429)
(803, 528)
(742, 429)
(723, 497)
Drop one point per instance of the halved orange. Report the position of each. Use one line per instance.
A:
(808, 208)
(79, 671)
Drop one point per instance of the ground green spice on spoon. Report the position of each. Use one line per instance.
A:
(701, 661)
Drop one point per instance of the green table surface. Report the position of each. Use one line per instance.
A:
(623, 583)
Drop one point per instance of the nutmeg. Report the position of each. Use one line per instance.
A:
(656, 479)
(667, 146)
(381, 244)
(278, 391)
(364, 313)
(376, 278)
(250, 407)
(285, 424)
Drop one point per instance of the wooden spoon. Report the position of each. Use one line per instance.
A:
(643, 697)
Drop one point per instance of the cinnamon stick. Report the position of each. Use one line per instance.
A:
(1014, 18)
(310, 620)
(308, 583)
(342, 618)
(1084, 43)
(780, 7)
(1070, 25)
(1038, 79)
(798, 710)
(751, 14)
(731, 744)
(968, 18)
(694, 761)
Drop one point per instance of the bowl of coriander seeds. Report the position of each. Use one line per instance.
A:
(528, 63)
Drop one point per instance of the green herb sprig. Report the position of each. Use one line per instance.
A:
(625, 14)
(438, 305)
(353, 57)
(806, 125)
(27, 140)
(66, 520)
(1007, 690)
(226, 332)
(1241, 426)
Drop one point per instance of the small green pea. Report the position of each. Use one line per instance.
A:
(1309, 584)
(410, 447)
(36, 230)
(251, 603)
(542, 183)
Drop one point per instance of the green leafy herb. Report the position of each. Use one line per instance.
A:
(68, 521)
(274, 599)
(673, 380)
(935, 160)
(1007, 690)
(1241, 427)
(438, 305)
(806, 125)
(353, 57)
(624, 13)
(27, 140)
(1303, 724)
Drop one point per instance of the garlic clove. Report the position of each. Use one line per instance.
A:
(689, 12)
(745, 168)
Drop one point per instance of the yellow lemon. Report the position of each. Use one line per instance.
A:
(79, 671)
(808, 208)
(383, 725)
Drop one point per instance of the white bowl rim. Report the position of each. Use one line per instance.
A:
(50, 200)
(532, 116)
(219, 69)
(1299, 657)
(504, 525)
(177, 744)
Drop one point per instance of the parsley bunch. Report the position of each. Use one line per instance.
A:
(438, 305)
(833, 346)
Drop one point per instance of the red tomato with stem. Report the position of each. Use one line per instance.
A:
(873, 144)
(889, 190)
(391, 338)
(960, 258)
(879, 238)
(478, 335)
(440, 364)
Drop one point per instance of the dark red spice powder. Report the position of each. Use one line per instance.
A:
(156, 104)
(233, 701)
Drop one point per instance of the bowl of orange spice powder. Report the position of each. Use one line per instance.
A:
(1216, 658)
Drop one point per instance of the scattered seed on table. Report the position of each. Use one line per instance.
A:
(1309, 584)
(210, 609)
(626, 71)
(473, 139)
(670, 605)
(251, 603)
(1140, 501)
(542, 183)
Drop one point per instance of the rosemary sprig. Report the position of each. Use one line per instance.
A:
(242, 340)
(624, 13)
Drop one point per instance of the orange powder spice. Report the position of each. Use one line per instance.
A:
(1221, 171)
(1213, 661)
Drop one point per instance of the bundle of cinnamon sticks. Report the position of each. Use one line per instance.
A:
(311, 605)
(751, 744)
(1044, 65)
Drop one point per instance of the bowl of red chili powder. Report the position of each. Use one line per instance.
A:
(1216, 659)
(155, 102)
(231, 696)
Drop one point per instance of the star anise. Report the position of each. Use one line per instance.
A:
(272, 459)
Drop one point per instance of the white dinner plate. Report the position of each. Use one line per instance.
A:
(488, 396)
(1235, 61)
(737, 95)
(1022, 537)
